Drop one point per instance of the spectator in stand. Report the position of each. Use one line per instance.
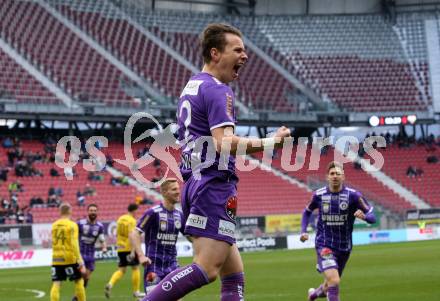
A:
(411, 172)
(36, 202)
(54, 173)
(81, 199)
(28, 217)
(51, 191)
(19, 216)
(7, 143)
(432, 159)
(53, 201)
(4, 174)
(89, 190)
(109, 160)
(138, 199)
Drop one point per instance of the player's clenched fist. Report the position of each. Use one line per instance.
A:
(360, 214)
(144, 260)
(304, 237)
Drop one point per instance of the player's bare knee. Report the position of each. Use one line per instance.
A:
(333, 281)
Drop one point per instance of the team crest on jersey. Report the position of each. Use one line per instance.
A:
(231, 207)
(163, 217)
(177, 223)
(343, 205)
(325, 207)
(163, 225)
(95, 233)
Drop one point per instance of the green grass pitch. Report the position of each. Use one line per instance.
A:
(383, 272)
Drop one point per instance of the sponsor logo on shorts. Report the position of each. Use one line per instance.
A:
(326, 253)
(167, 286)
(197, 221)
(231, 207)
(226, 228)
(328, 263)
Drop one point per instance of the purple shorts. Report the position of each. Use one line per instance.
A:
(209, 206)
(329, 259)
(89, 263)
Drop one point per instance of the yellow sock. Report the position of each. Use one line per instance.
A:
(55, 292)
(116, 277)
(136, 279)
(80, 291)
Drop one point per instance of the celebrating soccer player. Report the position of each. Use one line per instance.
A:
(90, 230)
(338, 207)
(161, 225)
(206, 116)
(66, 258)
(125, 225)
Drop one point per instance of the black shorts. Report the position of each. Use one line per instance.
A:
(62, 272)
(124, 260)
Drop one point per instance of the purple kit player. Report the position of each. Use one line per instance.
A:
(338, 207)
(160, 225)
(206, 119)
(90, 231)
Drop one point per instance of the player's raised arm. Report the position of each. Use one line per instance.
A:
(365, 210)
(225, 137)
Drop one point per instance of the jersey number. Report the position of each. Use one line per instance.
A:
(60, 235)
(123, 230)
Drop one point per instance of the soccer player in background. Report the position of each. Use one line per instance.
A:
(206, 109)
(160, 225)
(338, 207)
(124, 226)
(90, 231)
(66, 257)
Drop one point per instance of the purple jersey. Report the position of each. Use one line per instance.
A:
(161, 228)
(88, 235)
(205, 104)
(336, 216)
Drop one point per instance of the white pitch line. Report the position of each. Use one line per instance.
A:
(38, 294)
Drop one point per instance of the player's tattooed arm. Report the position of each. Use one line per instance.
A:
(135, 239)
(224, 137)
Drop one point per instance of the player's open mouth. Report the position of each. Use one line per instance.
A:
(237, 67)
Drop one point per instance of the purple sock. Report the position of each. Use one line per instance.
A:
(178, 283)
(233, 287)
(318, 293)
(333, 293)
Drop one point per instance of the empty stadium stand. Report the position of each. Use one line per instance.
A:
(356, 61)
(60, 54)
(18, 85)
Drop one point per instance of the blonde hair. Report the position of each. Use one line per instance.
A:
(335, 164)
(65, 208)
(166, 183)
